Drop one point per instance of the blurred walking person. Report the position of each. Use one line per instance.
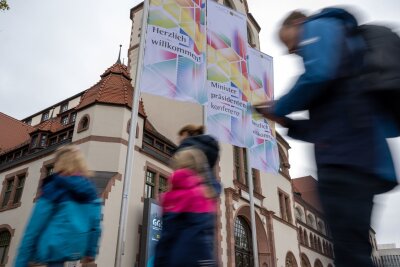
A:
(346, 126)
(193, 136)
(187, 237)
(65, 222)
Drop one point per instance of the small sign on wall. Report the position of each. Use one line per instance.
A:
(151, 232)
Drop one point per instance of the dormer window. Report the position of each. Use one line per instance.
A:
(34, 141)
(64, 120)
(72, 118)
(45, 116)
(28, 121)
(43, 140)
(64, 107)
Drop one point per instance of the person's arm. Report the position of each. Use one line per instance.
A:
(321, 49)
(40, 217)
(95, 232)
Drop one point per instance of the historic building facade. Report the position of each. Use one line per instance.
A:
(316, 247)
(388, 255)
(98, 119)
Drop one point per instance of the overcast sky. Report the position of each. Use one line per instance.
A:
(50, 50)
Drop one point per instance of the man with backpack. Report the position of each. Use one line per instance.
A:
(347, 126)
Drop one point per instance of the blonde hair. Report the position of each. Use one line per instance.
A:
(70, 161)
(189, 158)
(191, 130)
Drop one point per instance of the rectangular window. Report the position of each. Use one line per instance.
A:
(245, 168)
(236, 157)
(28, 121)
(64, 120)
(63, 137)
(148, 139)
(156, 183)
(284, 206)
(43, 141)
(34, 141)
(150, 184)
(19, 189)
(159, 146)
(53, 141)
(7, 193)
(163, 184)
(72, 117)
(241, 169)
(170, 150)
(64, 107)
(288, 209)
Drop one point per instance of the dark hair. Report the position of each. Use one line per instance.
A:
(293, 18)
(192, 130)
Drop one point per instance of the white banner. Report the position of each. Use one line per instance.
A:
(227, 84)
(174, 60)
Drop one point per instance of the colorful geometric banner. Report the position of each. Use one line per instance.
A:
(174, 58)
(264, 154)
(227, 81)
(261, 75)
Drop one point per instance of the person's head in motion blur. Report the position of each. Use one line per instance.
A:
(189, 131)
(70, 161)
(290, 31)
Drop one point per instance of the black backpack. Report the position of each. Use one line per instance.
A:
(381, 70)
(380, 67)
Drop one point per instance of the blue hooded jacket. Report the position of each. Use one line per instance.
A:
(65, 222)
(209, 146)
(345, 127)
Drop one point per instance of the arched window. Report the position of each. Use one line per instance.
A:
(311, 241)
(229, 4)
(290, 260)
(243, 243)
(321, 227)
(318, 263)
(83, 123)
(300, 232)
(5, 238)
(299, 214)
(305, 262)
(310, 220)
(306, 238)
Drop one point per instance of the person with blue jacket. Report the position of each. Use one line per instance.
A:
(353, 159)
(192, 136)
(65, 222)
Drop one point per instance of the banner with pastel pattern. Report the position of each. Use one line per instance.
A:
(263, 147)
(227, 78)
(264, 153)
(261, 75)
(174, 55)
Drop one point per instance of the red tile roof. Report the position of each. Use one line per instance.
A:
(52, 125)
(307, 187)
(114, 88)
(12, 132)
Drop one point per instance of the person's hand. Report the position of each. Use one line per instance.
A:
(265, 109)
(87, 260)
